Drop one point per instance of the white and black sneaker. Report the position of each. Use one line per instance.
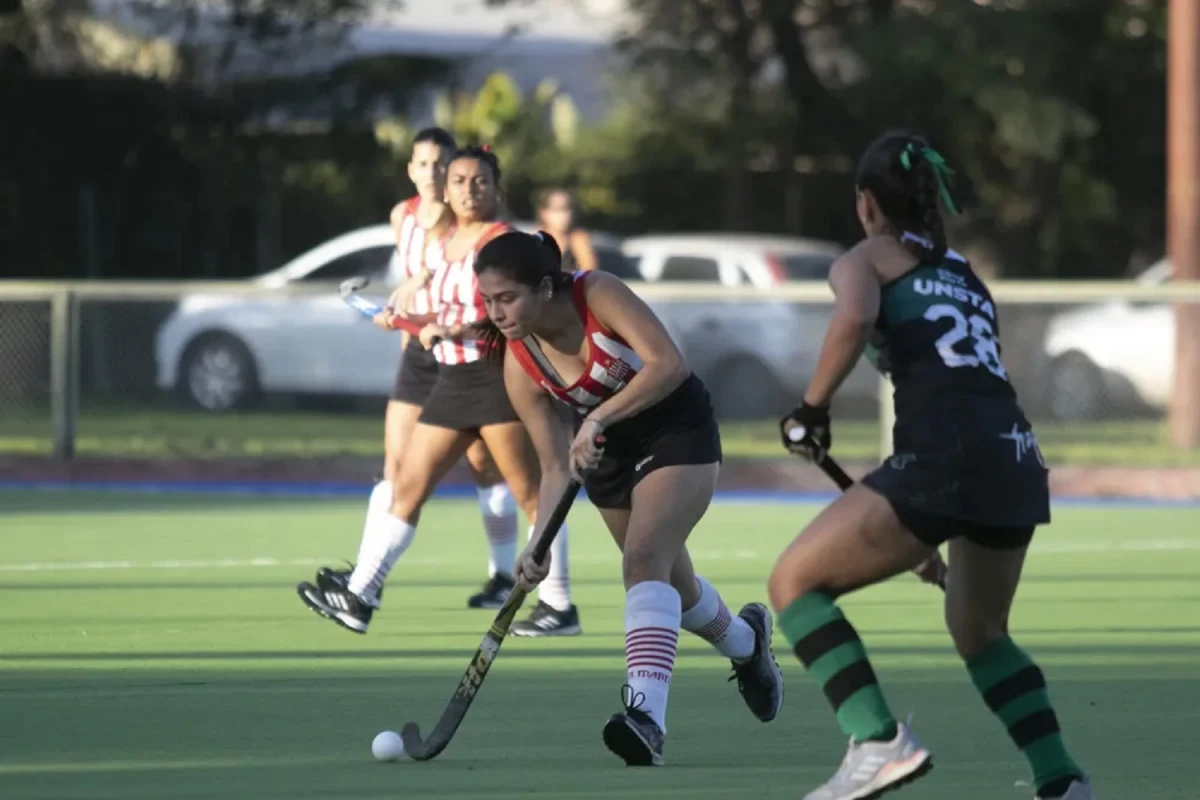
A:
(633, 735)
(330, 579)
(759, 679)
(546, 620)
(494, 592)
(338, 604)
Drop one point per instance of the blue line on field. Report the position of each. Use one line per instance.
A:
(289, 489)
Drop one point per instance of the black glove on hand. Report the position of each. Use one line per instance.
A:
(805, 432)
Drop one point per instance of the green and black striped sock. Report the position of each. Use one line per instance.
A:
(1015, 690)
(831, 651)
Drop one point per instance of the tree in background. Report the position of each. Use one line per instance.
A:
(194, 157)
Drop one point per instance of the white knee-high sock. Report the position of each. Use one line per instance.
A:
(380, 500)
(652, 618)
(711, 621)
(384, 540)
(499, 511)
(555, 590)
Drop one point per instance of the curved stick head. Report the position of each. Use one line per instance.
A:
(410, 735)
(351, 285)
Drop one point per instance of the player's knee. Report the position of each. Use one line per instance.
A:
(483, 467)
(485, 474)
(971, 632)
(643, 562)
(788, 581)
(410, 490)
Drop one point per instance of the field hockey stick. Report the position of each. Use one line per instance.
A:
(838, 475)
(349, 291)
(420, 749)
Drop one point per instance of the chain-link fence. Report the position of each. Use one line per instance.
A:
(25, 398)
(239, 374)
(1096, 378)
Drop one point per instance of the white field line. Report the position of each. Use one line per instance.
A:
(1047, 548)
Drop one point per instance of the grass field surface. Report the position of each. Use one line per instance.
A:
(152, 647)
(150, 433)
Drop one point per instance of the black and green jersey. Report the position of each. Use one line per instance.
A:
(938, 338)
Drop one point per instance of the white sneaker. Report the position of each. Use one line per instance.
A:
(872, 768)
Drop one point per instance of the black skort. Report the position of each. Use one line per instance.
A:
(680, 430)
(971, 469)
(467, 397)
(416, 375)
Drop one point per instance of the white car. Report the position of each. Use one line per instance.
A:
(755, 356)
(221, 352)
(1109, 358)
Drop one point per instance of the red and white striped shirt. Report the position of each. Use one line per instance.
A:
(611, 362)
(411, 241)
(456, 297)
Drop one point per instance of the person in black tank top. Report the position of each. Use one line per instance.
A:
(966, 470)
(589, 345)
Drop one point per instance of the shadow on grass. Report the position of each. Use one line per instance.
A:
(305, 733)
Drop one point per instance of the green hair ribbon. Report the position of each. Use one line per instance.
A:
(941, 172)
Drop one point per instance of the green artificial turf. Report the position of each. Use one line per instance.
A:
(153, 647)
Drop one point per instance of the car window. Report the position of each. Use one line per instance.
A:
(691, 268)
(370, 262)
(613, 261)
(805, 266)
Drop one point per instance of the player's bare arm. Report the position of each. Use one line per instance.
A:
(551, 437)
(663, 367)
(856, 306)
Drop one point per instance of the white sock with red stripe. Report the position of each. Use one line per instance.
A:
(651, 633)
(499, 510)
(555, 590)
(711, 621)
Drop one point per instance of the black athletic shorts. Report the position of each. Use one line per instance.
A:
(681, 429)
(416, 375)
(466, 397)
(971, 469)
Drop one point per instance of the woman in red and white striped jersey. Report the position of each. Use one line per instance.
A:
(467, 403)
(586, 342)
(418, 223)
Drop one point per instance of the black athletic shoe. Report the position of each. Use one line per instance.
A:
(548, 621)
(632, 735)
(330, 579)
(494, 592)
(340, 605)
(759, 680)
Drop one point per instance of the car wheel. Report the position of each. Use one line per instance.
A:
(746, 389)
(1077, 388)
(217, 373)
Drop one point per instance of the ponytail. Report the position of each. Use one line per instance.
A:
(910, 181)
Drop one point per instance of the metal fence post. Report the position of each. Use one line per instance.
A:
(64, 371)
